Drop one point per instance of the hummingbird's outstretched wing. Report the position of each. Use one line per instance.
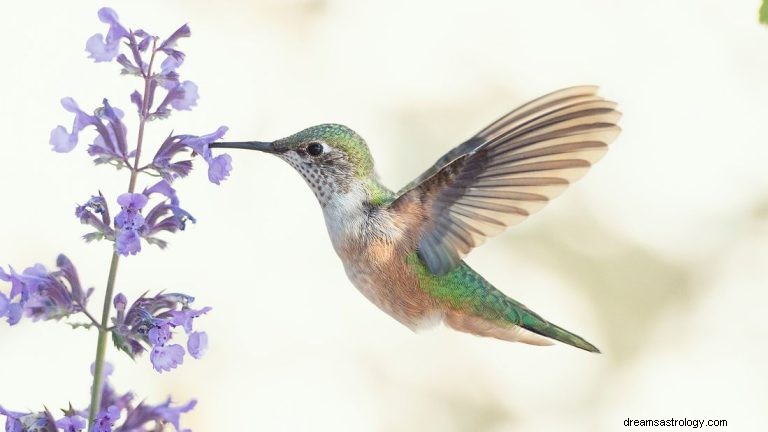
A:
(508, 171)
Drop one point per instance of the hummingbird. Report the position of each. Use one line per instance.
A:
(404, 250)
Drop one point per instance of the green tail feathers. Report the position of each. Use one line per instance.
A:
(545, 328)
(463, 289)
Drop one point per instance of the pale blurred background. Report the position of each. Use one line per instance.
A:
(659, 256)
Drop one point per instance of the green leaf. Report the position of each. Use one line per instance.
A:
(122, 345)
(763, 14)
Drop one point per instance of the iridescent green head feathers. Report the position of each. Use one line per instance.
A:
(334, 137)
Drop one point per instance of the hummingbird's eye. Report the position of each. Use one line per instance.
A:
(315, 149)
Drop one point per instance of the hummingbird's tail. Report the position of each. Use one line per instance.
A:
(518, 324)
(496, 315)
(543, 327)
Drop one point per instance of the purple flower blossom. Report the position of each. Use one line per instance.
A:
(105, 48)
(165, 358)
(149, 324)
(185, 317)
(129, 223)
(28, 422)
(106, 419)
(87, 213)
(63, 141)
(12, 422)
(43, 295)
(165, 413)
(110, 146)
(219, 166)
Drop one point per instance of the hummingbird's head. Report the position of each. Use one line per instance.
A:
(330, 157)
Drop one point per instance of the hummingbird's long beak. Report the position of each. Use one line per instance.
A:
(262, 146)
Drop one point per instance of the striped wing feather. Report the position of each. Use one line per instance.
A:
(510, 170)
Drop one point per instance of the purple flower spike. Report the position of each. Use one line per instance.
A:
(105, 48)
(197, 344)
(165, 358)
(149, 322)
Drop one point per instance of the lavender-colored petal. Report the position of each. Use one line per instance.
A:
(197, 344)
(200, 143)
(61, 140)
(106, 419)
(105, 48)
(219, 168)
(5, 303)
(188, 97)
(163, 187)
(165, 358)
(70, 275)
(117, 130)
(133, 201)
(13, 315)
(181, 32)
(64, 141)
(159, 334)
(73, 423)
(128, 243)
(185, 317)
(178, 55)
(12, 422)
(170, 414)
(82, 119)
(99, 50)
(106, 371)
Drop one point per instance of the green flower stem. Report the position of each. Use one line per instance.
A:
(104, 329)
(101, 346)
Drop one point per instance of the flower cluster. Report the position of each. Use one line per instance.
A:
(148, 323)
(43, 295)
(130, 225)
(110, 145)
(117, 413)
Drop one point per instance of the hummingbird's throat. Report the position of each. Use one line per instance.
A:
(324, 182)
